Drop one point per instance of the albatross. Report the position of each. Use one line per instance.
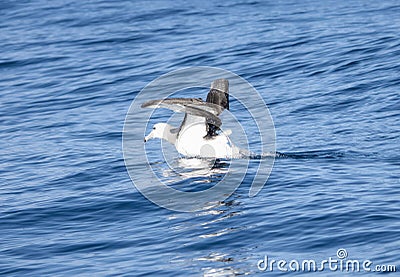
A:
(199, 134)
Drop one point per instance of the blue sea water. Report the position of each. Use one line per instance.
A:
(328, 71)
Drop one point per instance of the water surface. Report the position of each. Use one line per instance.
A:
(69, 71)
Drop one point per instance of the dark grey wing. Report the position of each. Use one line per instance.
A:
(219, 93)
(175, 104)
(178, 104)
(196, 110)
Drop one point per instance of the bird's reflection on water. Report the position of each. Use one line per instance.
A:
(214, 224)
(193, 174)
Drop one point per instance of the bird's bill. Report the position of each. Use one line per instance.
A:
(148, 137)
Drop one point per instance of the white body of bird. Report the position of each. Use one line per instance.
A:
(193, 141)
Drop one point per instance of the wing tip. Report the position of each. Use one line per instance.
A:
(150, 103)
(220, 84)
(146, 104)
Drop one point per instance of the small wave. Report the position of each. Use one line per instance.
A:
(316, 154)
(325, 154)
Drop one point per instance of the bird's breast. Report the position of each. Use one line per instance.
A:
(191, 142)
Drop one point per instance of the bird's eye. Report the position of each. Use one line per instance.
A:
(154, 128)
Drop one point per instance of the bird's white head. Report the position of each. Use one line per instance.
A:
(161, 131)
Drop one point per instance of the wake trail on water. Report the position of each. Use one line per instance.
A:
(313, 154)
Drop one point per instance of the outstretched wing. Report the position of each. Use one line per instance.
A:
(219, 93)
(196, 110)
(194, 107)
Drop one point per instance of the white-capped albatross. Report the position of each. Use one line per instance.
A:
(199, 134)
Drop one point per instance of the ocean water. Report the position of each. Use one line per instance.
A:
(69, 70)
